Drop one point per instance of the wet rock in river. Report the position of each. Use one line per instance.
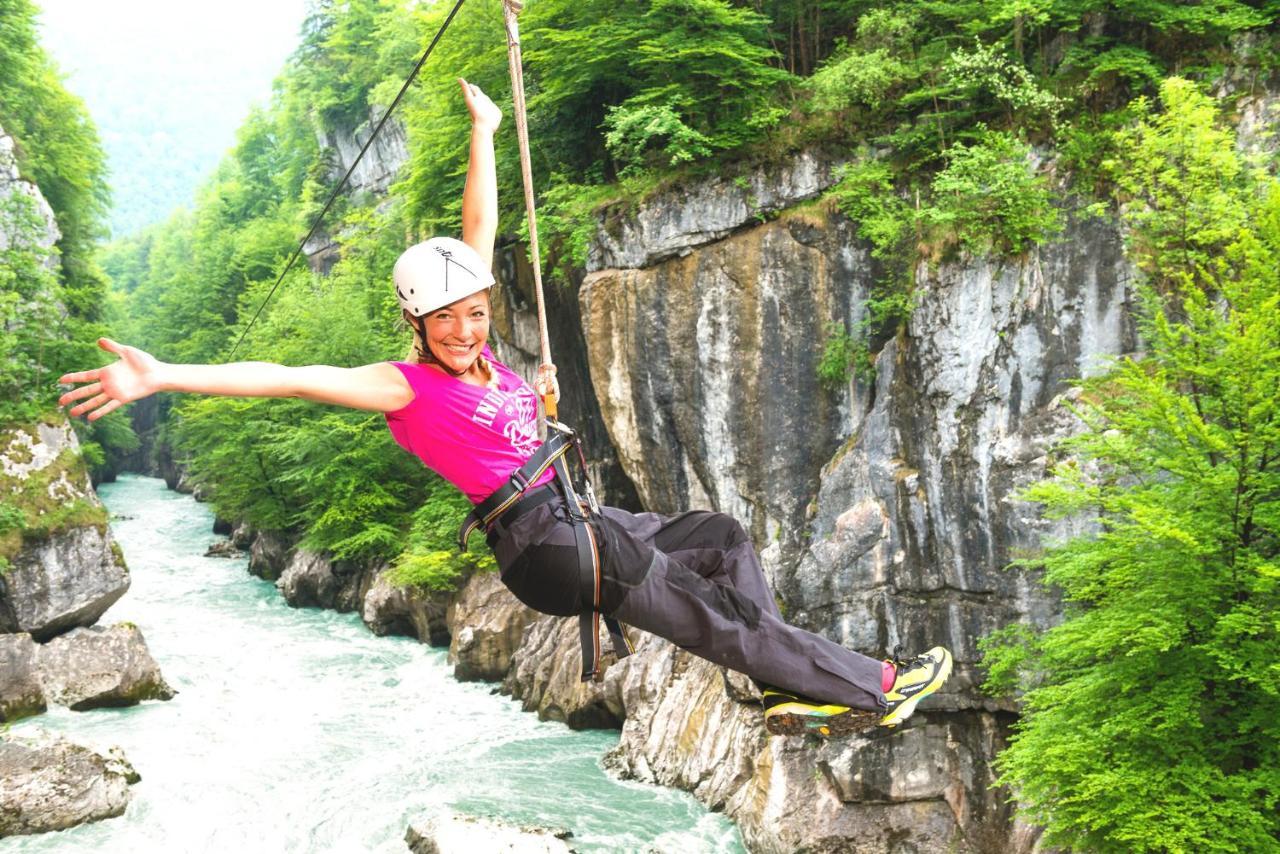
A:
(459, 834)
(21, 693)
(101, 666)
(48, 783)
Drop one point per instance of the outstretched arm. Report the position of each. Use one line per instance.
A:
(480, 197)
(379, 387)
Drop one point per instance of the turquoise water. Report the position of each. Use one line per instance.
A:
(298, 730)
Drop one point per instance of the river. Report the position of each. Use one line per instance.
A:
(297, 730)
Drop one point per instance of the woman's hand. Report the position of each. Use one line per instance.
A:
(485, 114)
(546, 383)
(135, 376)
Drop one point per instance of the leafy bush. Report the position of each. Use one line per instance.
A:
(988, 198)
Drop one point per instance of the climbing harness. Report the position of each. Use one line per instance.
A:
(514, 499)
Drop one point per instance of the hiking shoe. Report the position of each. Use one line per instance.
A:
(792, 714)
(917, 678)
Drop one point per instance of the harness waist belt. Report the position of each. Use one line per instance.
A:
(509, 502)
(484, 513)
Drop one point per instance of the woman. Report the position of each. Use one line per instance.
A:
(693, 579)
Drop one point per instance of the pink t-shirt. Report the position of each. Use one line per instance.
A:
(472, 436)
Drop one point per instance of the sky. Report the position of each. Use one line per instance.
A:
(167, 83)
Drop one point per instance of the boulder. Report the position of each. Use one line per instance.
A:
(269, 554)
(223, 548)
(457, 834)
(242, 535)
(101, 666)
(21, 693)
(487, 625)
(67, 580)
(48, 783)
(312, 579)
(389, 609)
(66, 570)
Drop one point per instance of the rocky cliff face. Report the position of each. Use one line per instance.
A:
(13, 184)
(885, 513)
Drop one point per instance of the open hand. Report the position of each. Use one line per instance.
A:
(484, 113)
(133, 377)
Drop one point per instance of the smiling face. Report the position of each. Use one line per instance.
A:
(457, 332)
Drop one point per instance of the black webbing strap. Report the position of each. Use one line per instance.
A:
(589, 621)
(506, 495)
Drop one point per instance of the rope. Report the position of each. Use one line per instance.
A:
(343, 183)
(510, 9)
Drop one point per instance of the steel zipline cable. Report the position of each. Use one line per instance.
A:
(343, 183)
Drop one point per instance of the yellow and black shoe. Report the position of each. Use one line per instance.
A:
(917, 678)
(791, 714)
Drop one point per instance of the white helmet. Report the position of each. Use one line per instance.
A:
(437, 272)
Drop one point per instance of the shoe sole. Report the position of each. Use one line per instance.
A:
(904, 711)
(782, 722)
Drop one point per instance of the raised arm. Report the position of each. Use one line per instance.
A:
(379, 387)
(480, 197)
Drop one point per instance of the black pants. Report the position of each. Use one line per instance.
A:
(694, 579)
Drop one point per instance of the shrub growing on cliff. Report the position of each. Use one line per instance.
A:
(989, 199)
(1152, 713)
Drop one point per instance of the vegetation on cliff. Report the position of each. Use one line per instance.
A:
(1152, 713)
(53, 302)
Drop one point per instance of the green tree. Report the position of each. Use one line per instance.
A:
(1152, 712)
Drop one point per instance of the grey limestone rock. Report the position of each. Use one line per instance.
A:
(101, 667)
(546, 677)
(73, 574)
(316, 580)
(68, 580)
(450, 833)
(392, 610)
(675, 221)
(487, 625)
(705, 368)
(885, 512)
(269, 554)
(13, 184)
(48, 783)
(21, 693)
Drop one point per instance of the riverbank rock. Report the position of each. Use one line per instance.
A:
(223, 548)
(459, 834)
(48, 783)
(21, 693)
(546, 677)
(488, 623)
(269, 554)
(101, 666)
(315, 580)
(65, 570)
(389, 609)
